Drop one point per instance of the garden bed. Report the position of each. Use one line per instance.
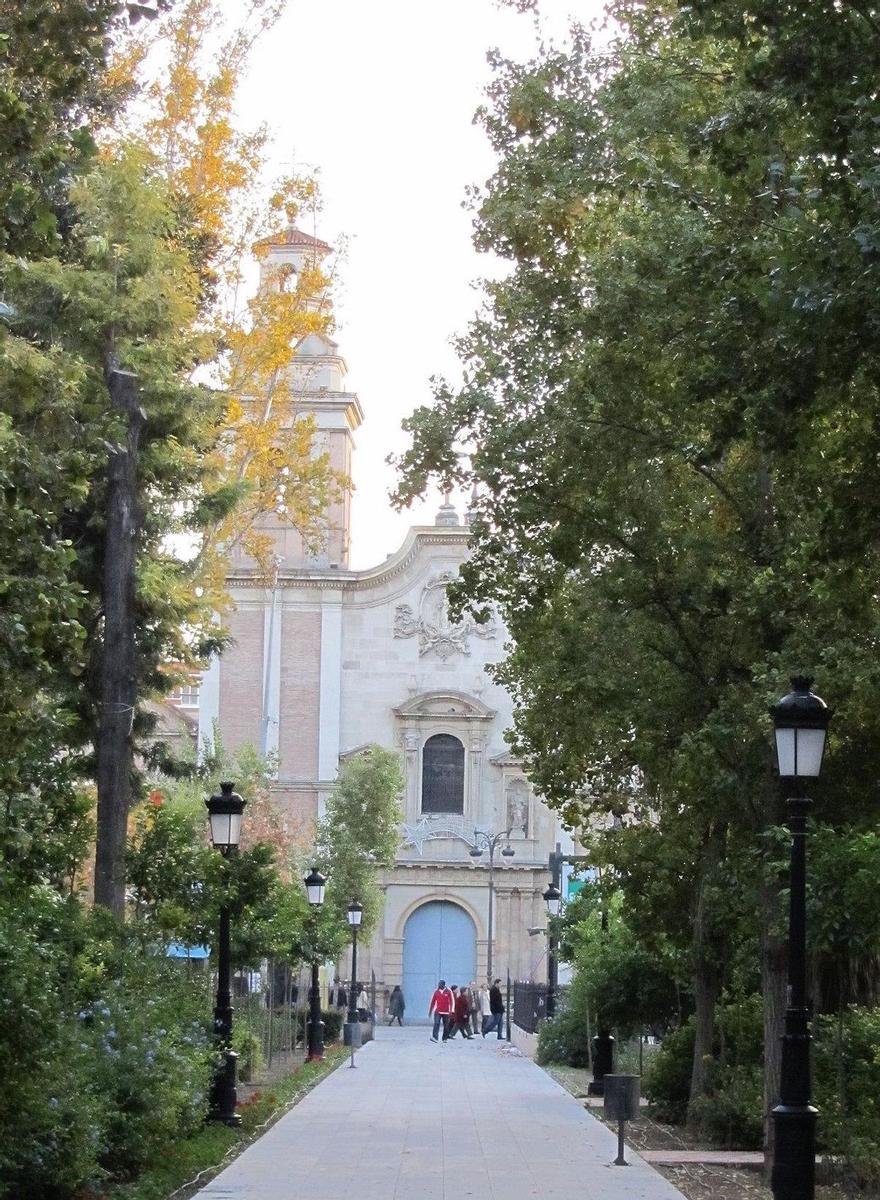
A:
(187, 1165)
(696, 1181)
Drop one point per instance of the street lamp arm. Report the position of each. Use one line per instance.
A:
(490, 842)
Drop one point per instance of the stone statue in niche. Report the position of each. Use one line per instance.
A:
(433, 627)
(517, 794)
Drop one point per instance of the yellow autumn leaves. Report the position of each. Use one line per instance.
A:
(184, 72)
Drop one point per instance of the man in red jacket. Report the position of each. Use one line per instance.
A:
(441, 1010)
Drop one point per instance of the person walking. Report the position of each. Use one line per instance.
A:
(485, 1008)
(396, 1005)
(450, 1023)
(363, 1004)
(496, 1010)
(462, 1015)
(440, 1009)
(474, 1005)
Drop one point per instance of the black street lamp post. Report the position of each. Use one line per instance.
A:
(553, 899)
(355, 914)
(800, 721)
(490, 842)
(224, 813)
(315, 883)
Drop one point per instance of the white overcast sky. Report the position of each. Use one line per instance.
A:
(379, 96)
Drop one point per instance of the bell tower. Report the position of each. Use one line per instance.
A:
(317, 382)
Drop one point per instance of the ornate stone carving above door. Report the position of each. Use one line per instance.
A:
(432, 625)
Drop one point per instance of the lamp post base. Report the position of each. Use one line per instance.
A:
(603, 1062)
(223, 1090)
(794, 1152)
(316, 1041)
(316, 1024)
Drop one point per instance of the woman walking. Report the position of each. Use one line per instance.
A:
(396, 1006)
(461, 1014)
(363, 1004)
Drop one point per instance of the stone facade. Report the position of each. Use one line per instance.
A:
(328, 660)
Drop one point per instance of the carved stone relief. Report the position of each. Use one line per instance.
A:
(432, 624)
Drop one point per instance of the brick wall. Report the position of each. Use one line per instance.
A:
(241, 680)
(300, 695)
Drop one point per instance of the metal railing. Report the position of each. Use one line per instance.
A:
(529, 1005)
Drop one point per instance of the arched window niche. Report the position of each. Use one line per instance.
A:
(443, 774)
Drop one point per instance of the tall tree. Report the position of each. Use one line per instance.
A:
(55, 90)
(671, 412)
(358, 836)
(147, 292)
(266, 455)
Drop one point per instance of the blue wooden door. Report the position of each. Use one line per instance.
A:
(439, 942)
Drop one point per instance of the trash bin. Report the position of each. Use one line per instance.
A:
(622, 1097)
(621, 1105)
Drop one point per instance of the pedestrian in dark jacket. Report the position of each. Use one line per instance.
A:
(496, 1011)
(396, 1005)
(462, 1013)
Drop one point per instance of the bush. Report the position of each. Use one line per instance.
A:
(148, 1054)
(563, 1038)
(730, 1115)
(249, 1048)
(847, 1088)
(332, 1019)
(104, 1053)
(667, 1081)
(51, 1124)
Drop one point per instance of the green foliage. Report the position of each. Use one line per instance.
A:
(148, 1055)
(730, 1114)
(358, 833)
(249, 1048)
(667, 1082)
(625, 984)
(670, 408)
(103, 1047)
(182, 1159)
(847, 1078)
(333, 1020)
(564, 1038)
(620, 982)
(180, 882)
(52, 86)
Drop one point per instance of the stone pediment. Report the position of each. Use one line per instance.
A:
(357, 751)
(505, 759)
(447, 704)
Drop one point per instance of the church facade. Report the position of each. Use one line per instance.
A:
(327, 661)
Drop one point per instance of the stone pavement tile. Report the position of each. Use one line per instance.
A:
(714, 1158)
(417, 1121)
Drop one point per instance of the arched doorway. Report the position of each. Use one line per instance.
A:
(439, 942)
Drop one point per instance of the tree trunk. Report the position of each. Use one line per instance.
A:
(707, 986)
(707, 982)
(117, 666)
(774, 985)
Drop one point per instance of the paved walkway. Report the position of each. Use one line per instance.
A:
(423, 1121)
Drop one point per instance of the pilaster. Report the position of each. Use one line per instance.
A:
(209, 706)
(330, 686)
